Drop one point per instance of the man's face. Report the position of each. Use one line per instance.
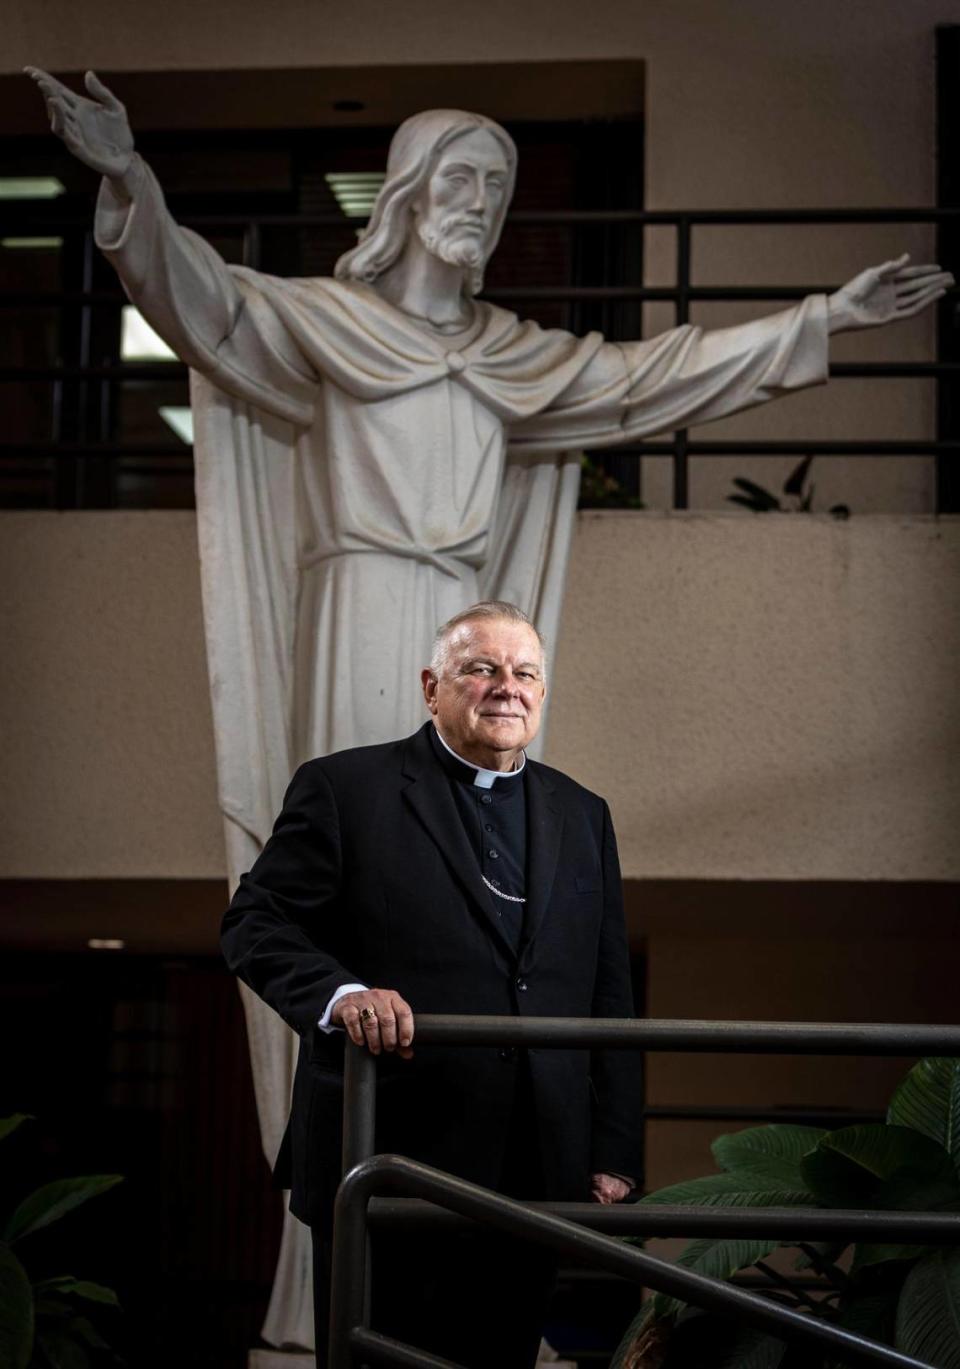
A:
(456, 212)
(488, 697)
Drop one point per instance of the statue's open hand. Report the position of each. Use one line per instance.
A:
(96, 130)
(883, 294)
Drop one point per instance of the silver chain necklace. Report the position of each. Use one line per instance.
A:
(512, 898)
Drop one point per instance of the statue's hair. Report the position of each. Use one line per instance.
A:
(489, 608)
(414, 149)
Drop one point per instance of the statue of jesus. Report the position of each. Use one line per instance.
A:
(379, 450)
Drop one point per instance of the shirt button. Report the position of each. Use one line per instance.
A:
(494, 855)
(485, 798)
(456, 362)
(509, 1053)
(521, 985)
(488, 826)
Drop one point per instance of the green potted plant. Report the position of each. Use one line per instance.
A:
(799, 494)
(601, 490)
(907, 1296)
(45, 1322)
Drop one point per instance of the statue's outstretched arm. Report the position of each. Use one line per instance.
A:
(220, 326)
(689, 375)
(884, 294)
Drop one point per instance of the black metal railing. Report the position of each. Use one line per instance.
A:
(82, 406)
(390, 1190)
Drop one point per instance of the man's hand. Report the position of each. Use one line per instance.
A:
(608, 1188)
(377, 1018)
(884, 294)
(96, 131)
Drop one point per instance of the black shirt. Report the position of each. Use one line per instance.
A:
(495, 821)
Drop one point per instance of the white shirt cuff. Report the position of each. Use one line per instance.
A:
(324, 1023)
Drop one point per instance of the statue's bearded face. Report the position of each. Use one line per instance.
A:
(457, 213)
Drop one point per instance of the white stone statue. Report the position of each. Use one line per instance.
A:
(377, 451)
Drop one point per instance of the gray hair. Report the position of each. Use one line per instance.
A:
(413, 152)
(487, 609)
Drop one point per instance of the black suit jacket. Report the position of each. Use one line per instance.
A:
(369, 876)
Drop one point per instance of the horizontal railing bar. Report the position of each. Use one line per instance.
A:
(50, 299)
(926, 214)
(140, 370)
(24, 299)
(798, 447)
(654, 293)
(744, 1278)
(695, 293)
(929, 447)
(893, 369)
(385, 1350)
(117, 449)
(399, 1176)
(808, 1116)
(765, 1038)
(176, 370)
(662, 1220)
(29, 219)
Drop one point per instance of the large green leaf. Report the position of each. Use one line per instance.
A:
(764, 499)
(10, 1124)
(62, 1349)
(821, 1256)
(756, 505)
(717, 1259)
(754, 1350)
(878, 1166)
(865, 1255)
(78, 1288)
(867, 1314)
(928, 1101)
(643, 1340)
(16, 1312)
(731, 1190)
(771, 1152)
(795, 480)
(928, 1314)
(52, 1201)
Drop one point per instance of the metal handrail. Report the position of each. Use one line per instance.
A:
(676, 1219)
(396, 1174)
(690, 1034)
(564, 1226)
(34, 215)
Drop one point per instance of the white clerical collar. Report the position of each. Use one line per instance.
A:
(483, 779)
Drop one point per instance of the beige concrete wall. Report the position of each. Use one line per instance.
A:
(760, 698)
(770, 696)
(107, 734)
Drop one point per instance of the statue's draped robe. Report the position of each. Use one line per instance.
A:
(355, 488)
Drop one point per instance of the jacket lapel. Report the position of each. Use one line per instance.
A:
(428, 794)
(544, 836)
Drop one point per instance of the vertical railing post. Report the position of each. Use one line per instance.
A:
(359, 1104)
(350, 1284)
(681, 477)
(349, 1280)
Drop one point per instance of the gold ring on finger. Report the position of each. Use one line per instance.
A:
(368, 1014)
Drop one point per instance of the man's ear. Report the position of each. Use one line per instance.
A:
(428, 683)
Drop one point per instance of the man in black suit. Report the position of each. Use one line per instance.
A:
(468, 879)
